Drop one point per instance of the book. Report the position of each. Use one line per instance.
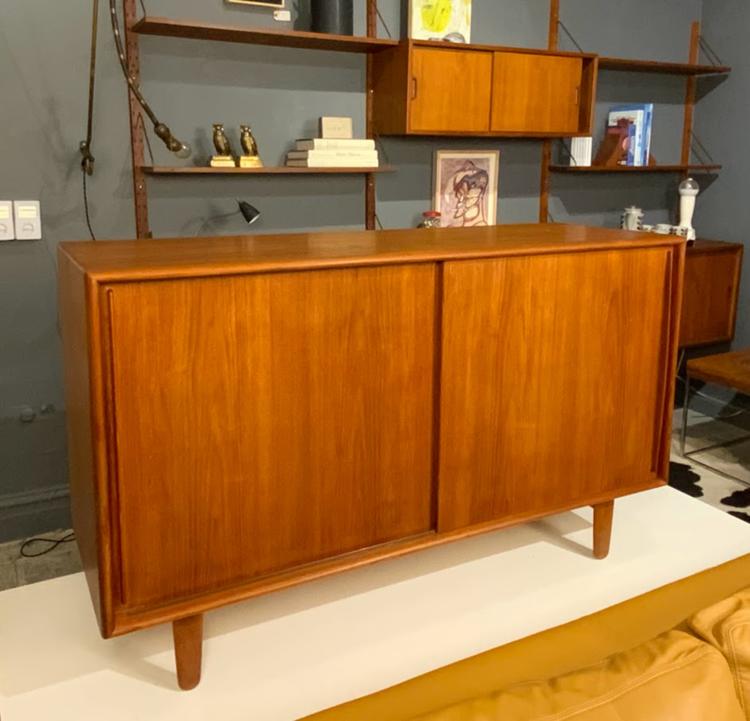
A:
(648, 132)
(642, 117)
(635, 115)
(581, 150)
(335, 144)
(332, 163)
(365, 155)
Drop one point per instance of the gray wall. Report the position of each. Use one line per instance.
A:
(44, 55)
(723, 208)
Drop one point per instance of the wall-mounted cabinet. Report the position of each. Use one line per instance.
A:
(426, 88)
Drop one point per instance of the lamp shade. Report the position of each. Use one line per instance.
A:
(249, 212)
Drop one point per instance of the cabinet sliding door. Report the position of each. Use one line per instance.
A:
(553, 381)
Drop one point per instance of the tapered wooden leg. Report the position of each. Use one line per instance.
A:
(188, 650)
(603, 528)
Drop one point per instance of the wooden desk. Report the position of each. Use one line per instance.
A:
(249, 413)
(712, 285)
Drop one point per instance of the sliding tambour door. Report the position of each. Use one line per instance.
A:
(268, 421)
(553, 381)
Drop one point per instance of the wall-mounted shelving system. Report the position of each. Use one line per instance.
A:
(691, 70)
(274, 170)
(192, 30)
(384, 58)
(693, 167)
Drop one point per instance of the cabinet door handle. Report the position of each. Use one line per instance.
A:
(413, 88)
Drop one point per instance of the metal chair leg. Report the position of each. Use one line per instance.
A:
(685, 411)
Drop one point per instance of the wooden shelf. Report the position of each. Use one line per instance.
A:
(653, 66)
(167, 27)
(629, 169)
(280, 170)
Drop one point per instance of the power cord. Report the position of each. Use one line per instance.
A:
(53, 543)
(86, 207)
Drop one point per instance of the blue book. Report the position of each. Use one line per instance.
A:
(638, 115)
(649, 107)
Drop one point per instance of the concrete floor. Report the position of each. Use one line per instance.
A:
(16, 570)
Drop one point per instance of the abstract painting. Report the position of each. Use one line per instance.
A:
(440, 20)
(466, 184)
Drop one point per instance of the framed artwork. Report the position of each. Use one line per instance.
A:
(465, 189)
(278, 4)
(440, 20)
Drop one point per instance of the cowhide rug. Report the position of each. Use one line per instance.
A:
(722, 493)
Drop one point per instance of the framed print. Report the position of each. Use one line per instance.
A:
(278, 4)
(440, 20)
(465, 189)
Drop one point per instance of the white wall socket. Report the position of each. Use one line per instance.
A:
(7, 231)
(28, 219)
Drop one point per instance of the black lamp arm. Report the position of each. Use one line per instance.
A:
(161, 129)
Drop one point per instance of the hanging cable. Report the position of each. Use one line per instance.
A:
(87, 160)
(86, 206)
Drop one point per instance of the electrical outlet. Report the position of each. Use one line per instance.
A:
(7, 231)
(28, 219)
(282, 16)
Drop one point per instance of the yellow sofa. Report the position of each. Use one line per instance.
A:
(678, 653)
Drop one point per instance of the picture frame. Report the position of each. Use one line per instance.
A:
(275, 4)
(465, 187)
(440, 20)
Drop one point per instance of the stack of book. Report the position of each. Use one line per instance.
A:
(333, 153)
(640, 119)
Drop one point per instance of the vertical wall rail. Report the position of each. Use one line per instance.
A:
(552, 44)
(137, 129)
(370, 190)
(690, 94)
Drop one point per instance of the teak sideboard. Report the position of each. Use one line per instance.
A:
(250, 413)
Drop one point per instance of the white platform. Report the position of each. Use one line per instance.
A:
(289, 654)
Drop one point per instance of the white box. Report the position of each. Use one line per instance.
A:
(28, 219)
(7, 231)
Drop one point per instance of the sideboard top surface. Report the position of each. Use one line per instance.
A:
(112, 261)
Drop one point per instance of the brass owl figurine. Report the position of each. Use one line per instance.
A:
(248, 142)
(221, 142)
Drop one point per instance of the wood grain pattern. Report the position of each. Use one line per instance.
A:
(451, 90)
(74, 322)
(137, 129)
(603, 515)
(391, 90)
(196, 30)
(188, 650)
(662, 68)
(679, 168)
(529, 410)
(129, 620)
(258, 412)
(712, 284)
(691, 92)
(731, 370)
(270, 170)
(426, 88)
(223, 255)
(269, 421)
(536, 93)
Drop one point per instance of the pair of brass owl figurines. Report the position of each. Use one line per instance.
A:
(225, 157)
